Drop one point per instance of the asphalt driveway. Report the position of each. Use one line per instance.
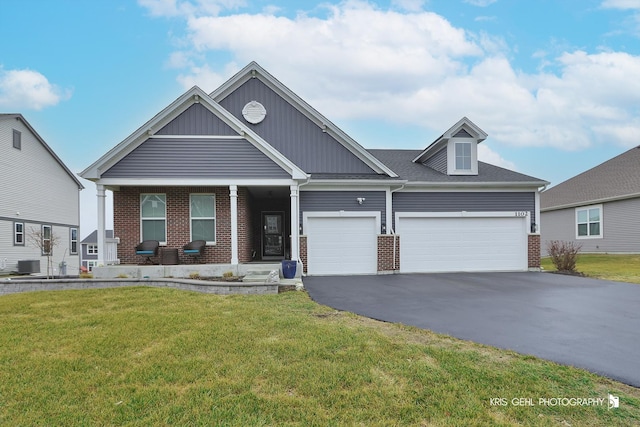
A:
(588, 323)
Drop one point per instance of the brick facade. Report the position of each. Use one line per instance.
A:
(126, 221)
(534, 250)
(303, 252)
(385, 252)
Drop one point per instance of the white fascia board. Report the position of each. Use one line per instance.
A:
(340, 183)
(464, 186)
(590, 202)
(464, 214)
(345, 187)
(465, 122)
(195, 182)
(253, 70)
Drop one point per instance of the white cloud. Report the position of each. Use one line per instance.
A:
(409, 5)
(480, 3)
(28, 89)
(487, 155)
(621, 4)
(358, 61)
(172, 8)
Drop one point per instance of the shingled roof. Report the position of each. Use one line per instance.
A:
(401, 162)
(615, 179)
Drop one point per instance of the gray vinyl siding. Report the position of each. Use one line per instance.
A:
(196, 158)
(464, 201)
(462, 134)
(620, 228)
(197, 120)
(331, 201)
(293, 134)
(439, 161)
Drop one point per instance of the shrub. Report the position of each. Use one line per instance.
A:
(194, 275)
(227, 274)
(86, 276)
(122, 276)
(563, 255)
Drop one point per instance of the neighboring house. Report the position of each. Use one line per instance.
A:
(597, 209)
(89, 249)
(259, 174)
(38, 196)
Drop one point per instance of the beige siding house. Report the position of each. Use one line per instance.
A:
(38, 194)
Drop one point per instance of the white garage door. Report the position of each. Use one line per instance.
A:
(341, 245)
(435, 244)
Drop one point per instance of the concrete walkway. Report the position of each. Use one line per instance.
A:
(588, 323)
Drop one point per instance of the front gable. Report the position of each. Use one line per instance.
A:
(295, 128)
(193, 137)
(294, 135)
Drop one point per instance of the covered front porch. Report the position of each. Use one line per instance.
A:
(246, 222)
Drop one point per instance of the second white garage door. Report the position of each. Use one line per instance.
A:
(480, 243)
(341, 244)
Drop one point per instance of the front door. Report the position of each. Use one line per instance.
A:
(272, 235)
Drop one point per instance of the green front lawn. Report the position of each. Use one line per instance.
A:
(148, 356)
(622, 268)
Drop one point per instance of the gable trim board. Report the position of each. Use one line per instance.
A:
(192, 96)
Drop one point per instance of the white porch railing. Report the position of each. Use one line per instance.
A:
(111, 251)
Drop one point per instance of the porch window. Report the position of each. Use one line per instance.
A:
(203, 217)
(92, 249)
(153, 217)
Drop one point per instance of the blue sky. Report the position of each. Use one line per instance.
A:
(554, 83)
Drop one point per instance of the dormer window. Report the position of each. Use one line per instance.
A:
(463, 156)
(456, 151)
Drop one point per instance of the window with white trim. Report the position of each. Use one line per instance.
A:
(153, 217)
(92, 249)
(203, 217)
(91, 264)
(589, 222)
(46, 240)
(18, 233)
(73, 244)
(463, 156)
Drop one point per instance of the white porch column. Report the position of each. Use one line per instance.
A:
(388, 211)
(102, 247)
(233, 196)
(295, 224)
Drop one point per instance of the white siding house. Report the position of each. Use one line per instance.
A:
(38, 193)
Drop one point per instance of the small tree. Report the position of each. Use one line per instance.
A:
(45, 240)
(564, 255)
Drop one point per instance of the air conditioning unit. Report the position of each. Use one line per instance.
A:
(29, 266)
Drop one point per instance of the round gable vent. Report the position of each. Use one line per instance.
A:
(254, 112)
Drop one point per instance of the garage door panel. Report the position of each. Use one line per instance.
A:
(433, 244)
(341, 245)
